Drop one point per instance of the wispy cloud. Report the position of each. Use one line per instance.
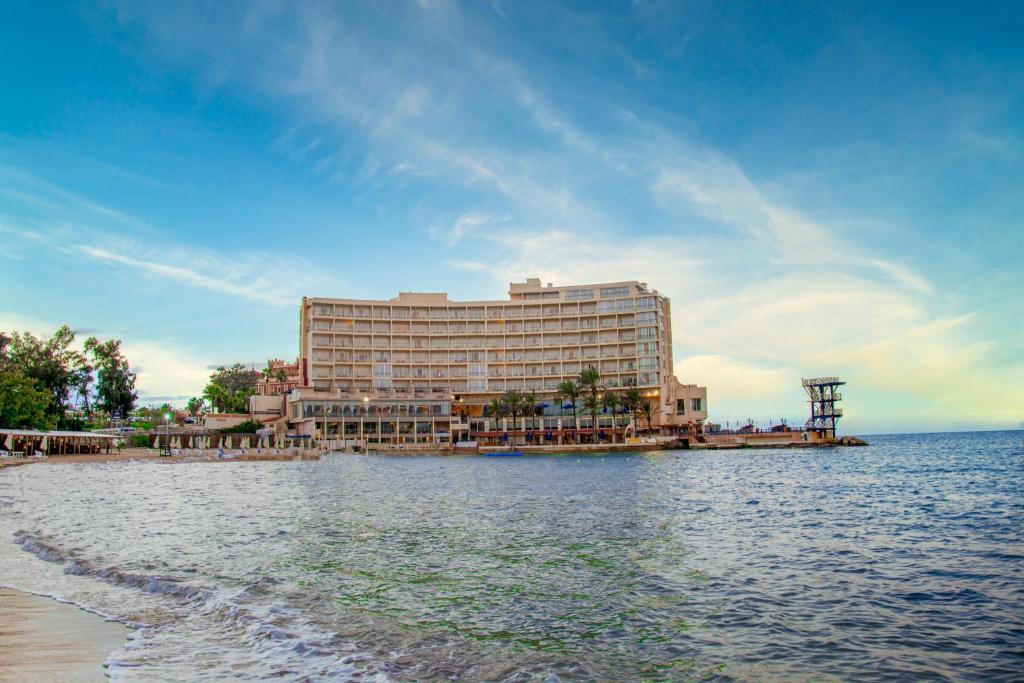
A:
(183, 275)
(252, 275)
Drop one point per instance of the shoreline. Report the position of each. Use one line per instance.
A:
(296, 454)
(44, 639)
(149, 454)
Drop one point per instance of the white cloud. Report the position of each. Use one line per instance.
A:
(165, 371)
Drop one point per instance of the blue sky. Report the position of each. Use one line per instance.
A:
(821, 188)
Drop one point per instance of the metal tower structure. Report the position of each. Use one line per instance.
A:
(822, 395)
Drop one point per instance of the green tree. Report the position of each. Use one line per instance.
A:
(194, 406)
(613, 403)
(592, 404)
(533, 406)
(22, 405)
(647, 409)
(516, 404)
(590, 383)
(229, 389)
(51, 364)
(631, 400)
(569, 390)
(115, 381)
(497, 410)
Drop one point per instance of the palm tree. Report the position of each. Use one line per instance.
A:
(612, 402)
(648, 410)
(570, 391)
(592, 404)
(590, 382)
(529, 405)
(497, 409)
(515, 405)
(631, 400)
(194, 406)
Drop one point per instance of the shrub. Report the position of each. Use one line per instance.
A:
(139, 440)
(247, 427)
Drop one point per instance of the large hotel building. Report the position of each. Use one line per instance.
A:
(421, 368)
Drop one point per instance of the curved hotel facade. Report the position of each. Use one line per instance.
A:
(422, 368)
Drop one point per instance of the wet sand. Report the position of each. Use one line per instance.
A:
(45, 640)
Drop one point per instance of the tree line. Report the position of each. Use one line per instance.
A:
(43, 379)
(595, 396)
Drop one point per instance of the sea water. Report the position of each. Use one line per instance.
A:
(903, 560)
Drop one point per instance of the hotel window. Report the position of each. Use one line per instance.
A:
(646, 318)
(478, 385)
(696, 405)
(477, 370)
(646, 302)
(577, 294)
(609, 292)
(681, 406)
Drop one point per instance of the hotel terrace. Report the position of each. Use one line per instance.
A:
(420, 368)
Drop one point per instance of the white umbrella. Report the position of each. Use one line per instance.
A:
(7, 441)
(43, 443)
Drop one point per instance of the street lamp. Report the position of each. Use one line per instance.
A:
(167, 434)
(362, 418)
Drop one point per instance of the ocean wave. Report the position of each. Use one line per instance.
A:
(278, 639)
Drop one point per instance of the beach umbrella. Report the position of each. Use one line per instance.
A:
(43, 443)
(7, 441)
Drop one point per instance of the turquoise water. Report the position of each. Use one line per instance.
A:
(902, 560)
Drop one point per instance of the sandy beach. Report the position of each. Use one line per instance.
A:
(187, 455)
(45, 640)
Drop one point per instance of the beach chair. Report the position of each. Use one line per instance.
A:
(40, 455)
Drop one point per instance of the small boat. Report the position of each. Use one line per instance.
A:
(504, 454)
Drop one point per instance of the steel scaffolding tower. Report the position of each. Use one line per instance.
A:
(822, 395)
